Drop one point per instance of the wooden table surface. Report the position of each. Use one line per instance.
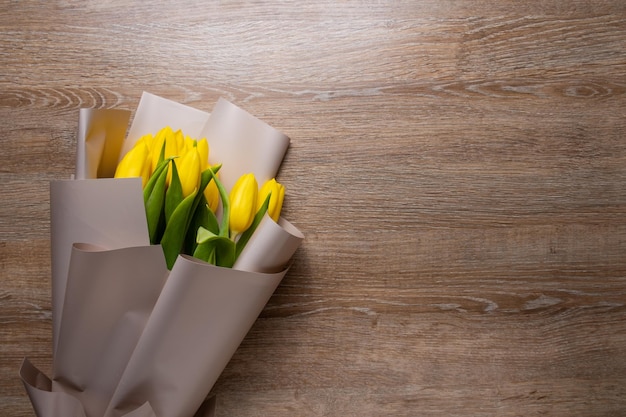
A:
(458, 169)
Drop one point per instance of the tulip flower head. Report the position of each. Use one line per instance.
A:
(243, 197)
(136, 163)
(158, 144)
(203, 151)
(277, 195)
(188, 166)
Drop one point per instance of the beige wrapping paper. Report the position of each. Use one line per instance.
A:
(201, 317)
(45, 402)
(103, 212)
(112, 295)
(130, 338)
(154, 112)
(271, 247)
(100, 139)
(243, 143)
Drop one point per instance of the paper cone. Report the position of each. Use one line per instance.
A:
(201, 317)
(113, 294)
(110, 295)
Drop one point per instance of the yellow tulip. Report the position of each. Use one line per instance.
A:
(147, 140)
(276, 199)
(135, 163)
(188, 166)
(175, 144)
(157, 144)
(188, 143)
(212, 196)
(203, 150)
(243, 198)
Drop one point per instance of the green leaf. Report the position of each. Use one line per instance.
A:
(205, 235)
(224, 232)
(154, 196)
(174, 193)
(205, 252)
(176, 230)
(161, 154)
(207, 175)
(205, 179)
(202, 216)
(245, 236)
(154, 177)
(211, 221)
(221, 248)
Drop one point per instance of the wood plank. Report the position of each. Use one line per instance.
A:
(457, 168)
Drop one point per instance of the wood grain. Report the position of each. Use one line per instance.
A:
(457, 168)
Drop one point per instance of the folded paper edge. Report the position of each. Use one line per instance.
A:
(45, 402)
(208, 407)
(271, 247)
(94, 153)
(48, 403)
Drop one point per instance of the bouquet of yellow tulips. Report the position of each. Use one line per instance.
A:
(166, 245)
(182, 194)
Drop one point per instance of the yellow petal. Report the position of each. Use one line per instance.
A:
(203, 150)
(146, 139)
(157, 145)
(188, 143)
(134, 163)
(174, 144)
(212, 196)
(188, 167)
(243, 197)
(276, 198)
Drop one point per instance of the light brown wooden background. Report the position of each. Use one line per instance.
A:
(458, 169)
